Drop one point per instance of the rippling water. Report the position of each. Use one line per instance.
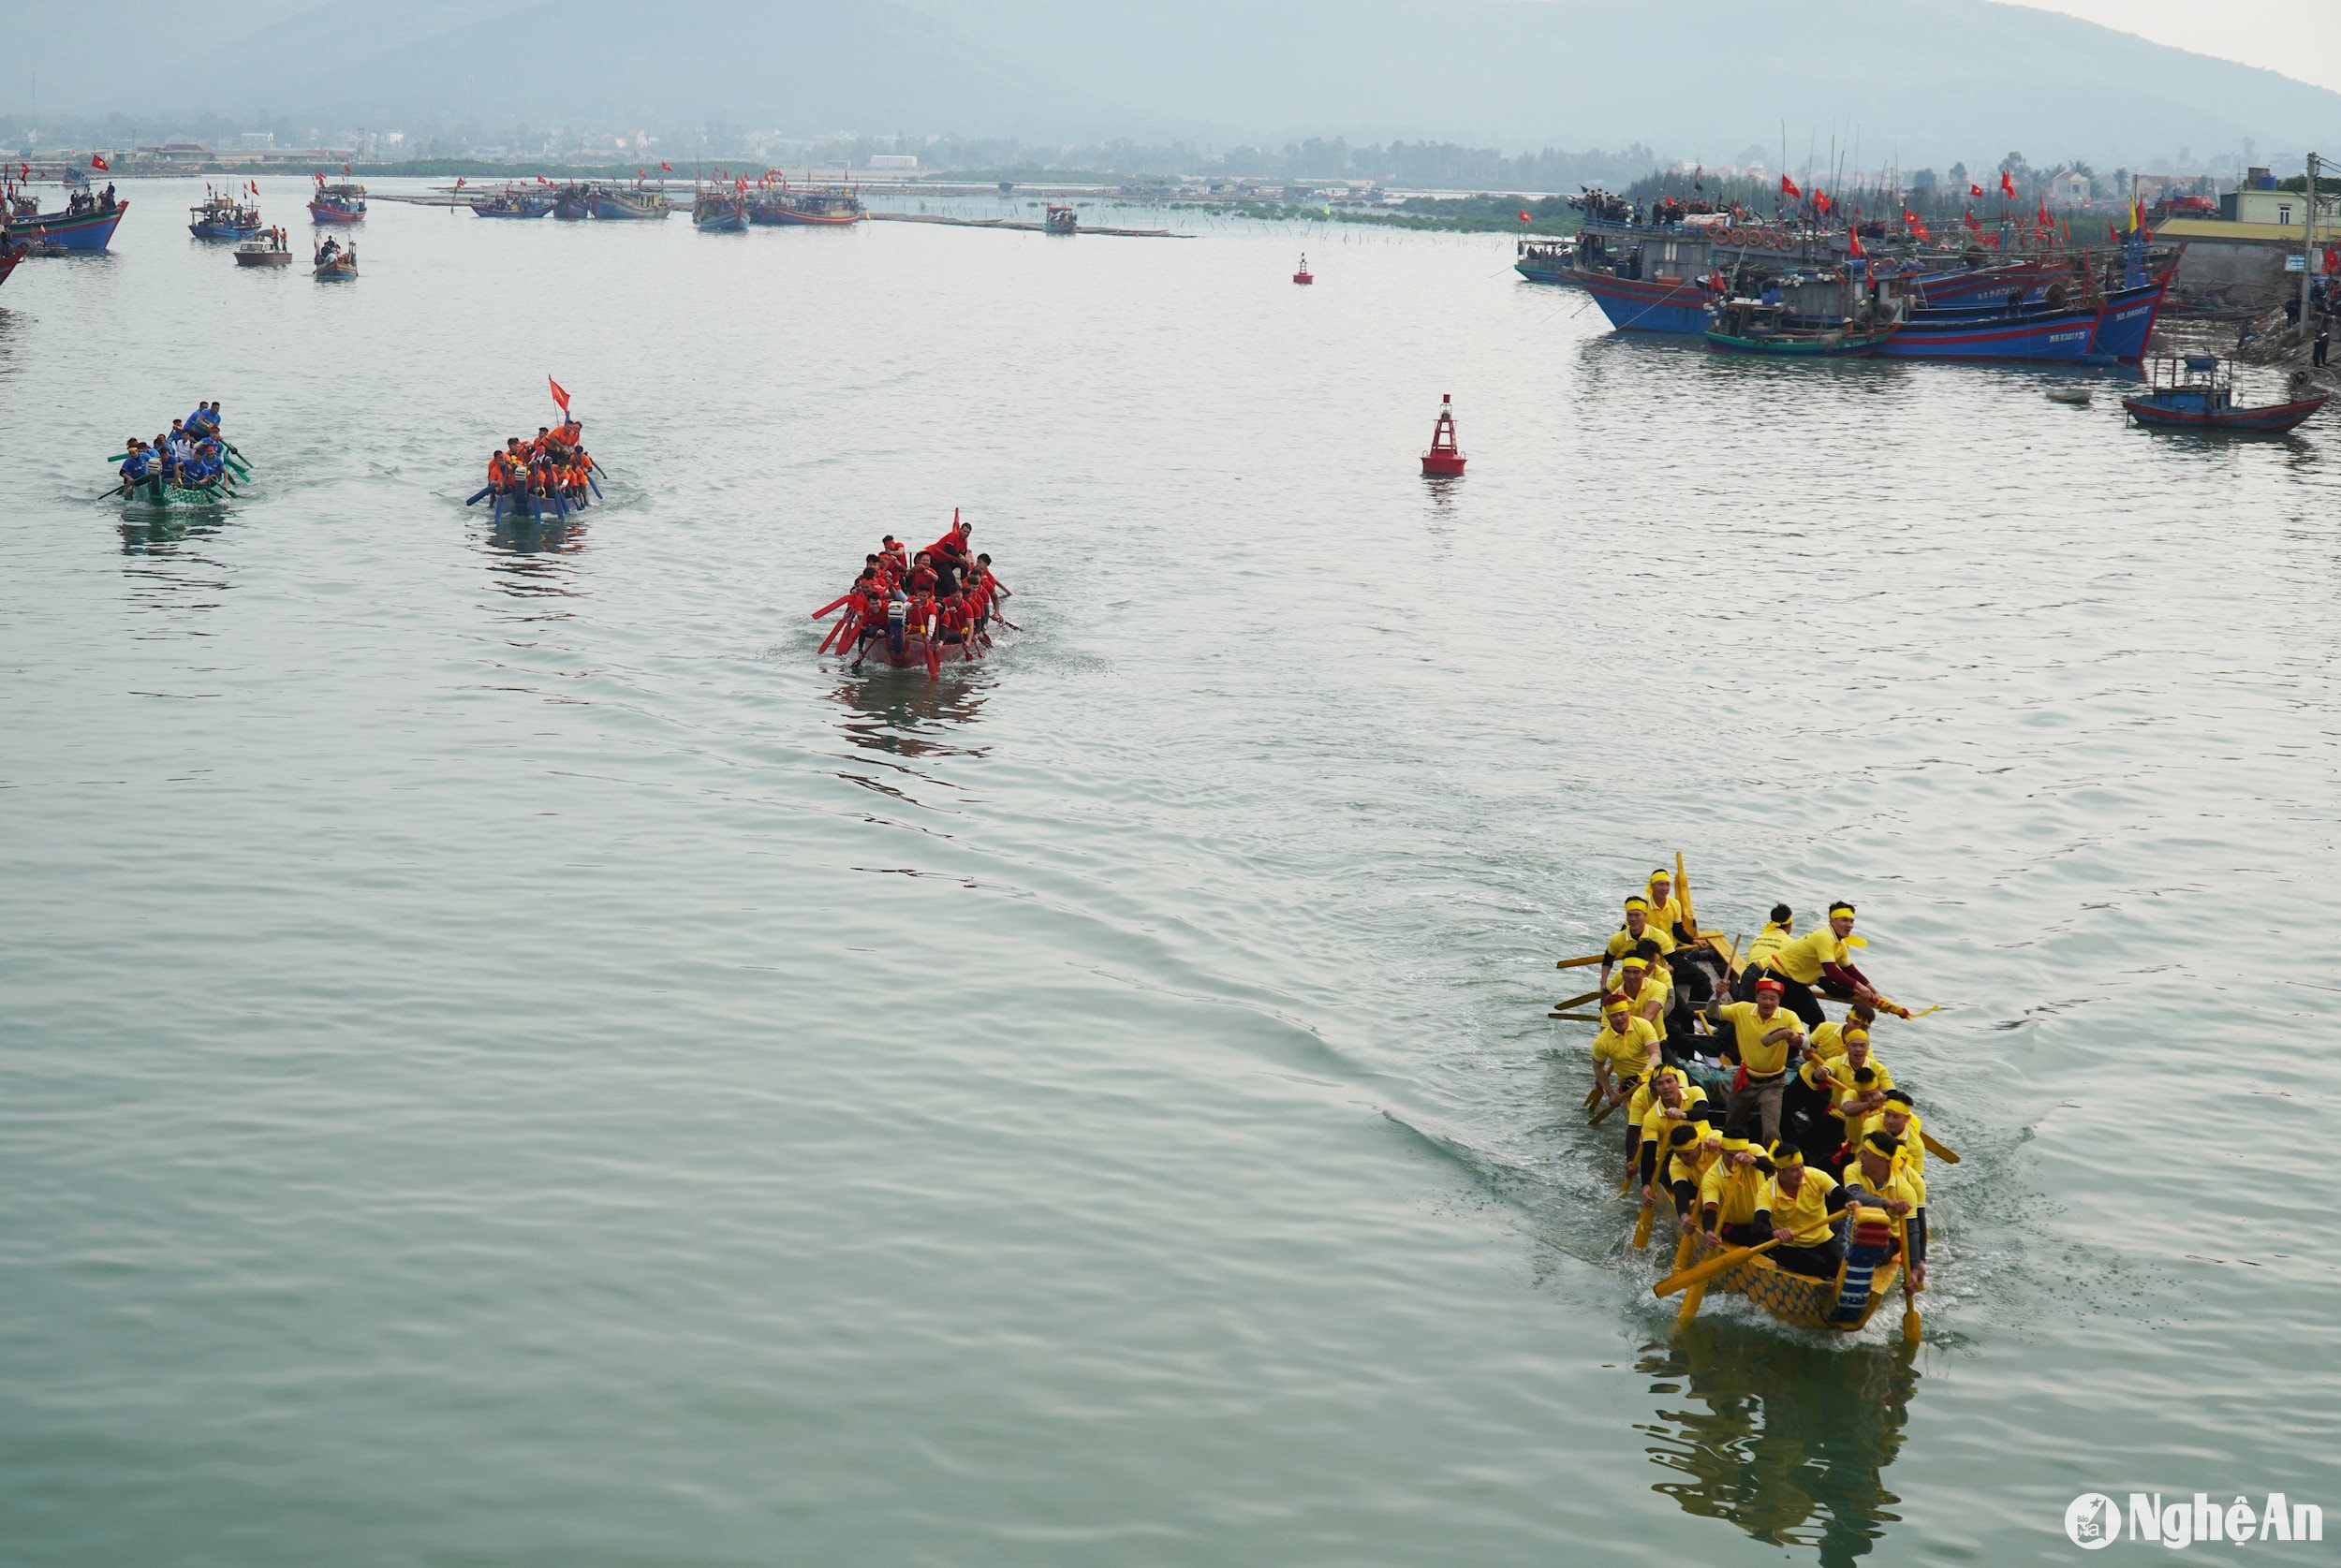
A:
(512, 1058)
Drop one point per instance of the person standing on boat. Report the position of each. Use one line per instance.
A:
(1760, 1036)
(1821, 961)
(1804, 1203)
(1625, 1048)
(1734, 1194)
(949, 553)
(1776, 935)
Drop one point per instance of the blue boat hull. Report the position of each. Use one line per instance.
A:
(722, 223)
(1543, 271)
(2270, 419)
(2127, 321)
(1635, 306)
(605, 207)
(224, 230)
(2061, 338)
(81, 231)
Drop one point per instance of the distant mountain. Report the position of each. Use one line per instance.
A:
(1935, 80)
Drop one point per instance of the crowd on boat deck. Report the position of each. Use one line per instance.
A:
(191, 455)
(1804, 1118)
(334, 250)
(556, 464)
(946, 594)
(24, 204)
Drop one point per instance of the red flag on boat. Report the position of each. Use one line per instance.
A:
(1788, 187)
(24, 170)
(459, 182)
(2111, 233)
(344, 168)
(559, 396)
(1922, 232)
(97, 163)
(318, 175)
(1974, 189)
(641, 173)
(668, 167)
(1908, 216)
(1820, 199)
(1524, 217)
(1968, 218)
(2007, 185)
(1853, 237)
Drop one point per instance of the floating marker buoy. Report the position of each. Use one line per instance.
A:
(1444, 456)
(1305, 275)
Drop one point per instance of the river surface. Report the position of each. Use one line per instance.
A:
(510, 1057)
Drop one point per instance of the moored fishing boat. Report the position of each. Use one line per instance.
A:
(2196, 392)
(717, 213)
(834, 208)
(9, 256)
(628, 205)
(1545, 260)
(571, 204)
(266, 249)
(1752, 327)
(1061, 219)
(337, 204)
(334, 260)
(89, 230)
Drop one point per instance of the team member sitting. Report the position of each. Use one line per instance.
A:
(1876, 1176)
(1734, 1196)
(1694, 1149)
(1821, 961)
(1666, 911)
(1804, 1203)
(1631, 935)
(1662, 1100)
(1625, 1048)
(1761, 951)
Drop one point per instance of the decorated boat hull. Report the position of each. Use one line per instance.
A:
(783, 211)
(1842, 1305)
(78, 231)
(154, 492)
(518, 209)
(2268, 420)
(523, 507)
(338, 268)
(331, 213)
(9, 256)
(224, 231)
(569, 208)
(1634, 305)
(2059, 337)
(2126, 321)
(728, 221)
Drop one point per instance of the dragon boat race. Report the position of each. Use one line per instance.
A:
(788, 845)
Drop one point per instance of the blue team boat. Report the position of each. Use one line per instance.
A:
(222, 217)
(91, 231)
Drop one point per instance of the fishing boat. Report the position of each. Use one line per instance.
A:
(332, 261)
(1741, 326)
(715, 214)
(268, 250)
(2196, 392)
(511, 204)
(223, 217)
(90, 229)
(1546, 260)
(338, 204)
(834, 208)
(9, 256)
(571, 204)
(628, 205)
(1060, 220)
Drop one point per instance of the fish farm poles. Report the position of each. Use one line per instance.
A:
(2308, 245)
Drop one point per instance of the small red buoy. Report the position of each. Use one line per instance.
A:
(1444, 456)
(1305, 275)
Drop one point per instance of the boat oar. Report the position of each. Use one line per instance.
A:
(482, 494)
(1691, 1298)
(1641, 1225)
(595, 483)
(498, 517)
(1682, 1252)
(1944, 1153)
(1577, 1001)
(832, 605)
(1005, 622)
(1593, 1096)
(1699, 1273)
(934, 659)
(1579, 964)
(1602, 1115)
(1683, 891)
(1911, 1326)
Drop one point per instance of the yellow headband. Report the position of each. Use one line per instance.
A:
(1638, 902)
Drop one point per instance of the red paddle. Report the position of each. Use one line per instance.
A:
(832, 604)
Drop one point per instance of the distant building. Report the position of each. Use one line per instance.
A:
(255, 141)
(2067, 188)
(893, 160)
(2258, 201)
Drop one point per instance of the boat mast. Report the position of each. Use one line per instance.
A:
(2308, 245)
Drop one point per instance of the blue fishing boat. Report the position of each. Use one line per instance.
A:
(834, 208)
(628, 205)
(223, 217)
(711, 213)
(1546, 260)
(2196, 392)
(2048, 337)
(90, 229)
(571, 204)
(2126, 322)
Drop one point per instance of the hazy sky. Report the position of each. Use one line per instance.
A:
(2299, 38)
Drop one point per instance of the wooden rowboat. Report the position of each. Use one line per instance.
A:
(1842, 1305)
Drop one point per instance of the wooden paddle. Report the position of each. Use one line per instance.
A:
(1641, 1225)
(1576, 1018)
(1683, 892)
(1691, 1298)
(1593, 1096)
(1941, 1152)
(1911, 1326)
(1579, 964)
(482, 494)
(1683, 1251)
(1577, 1001)
(1701, 1273)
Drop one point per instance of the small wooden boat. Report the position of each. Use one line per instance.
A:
(338, 204)
(633, 205)
(2078, 396)
(512, 205)
(1060, 220)
(1842, 1304)
(1305, 275)
(335, 262)
(720, 214)
(2196, 392)
(268, 250)
(1740, 325)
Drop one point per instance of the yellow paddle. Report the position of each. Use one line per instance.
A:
(1579, 964)
(1641, 1226)
(1577, 1001)
(1691, 1298)
(1683, 892)
(1600, 1116)
(1699, 1273)
(1575, 1018)
(1593, 1096)
(1941, 1152)
(1911, 1326)
(1683, 1251)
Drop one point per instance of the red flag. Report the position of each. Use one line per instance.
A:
(640, 173)
(318, 175)
(1854, 235)
(459, 182)
(1524, 217)
(24, 170)
(1975, 190)
(1788, 187)
(2111, 233)
(98, 163)
(344, 168)
(1922, 232)
(1908, 216)
(668, 167)
(559, 396)
(1820, 199)
(2007, 185)
(1968, 218)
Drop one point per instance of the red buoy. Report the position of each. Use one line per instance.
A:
(1444, 456)
(1305, 275)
